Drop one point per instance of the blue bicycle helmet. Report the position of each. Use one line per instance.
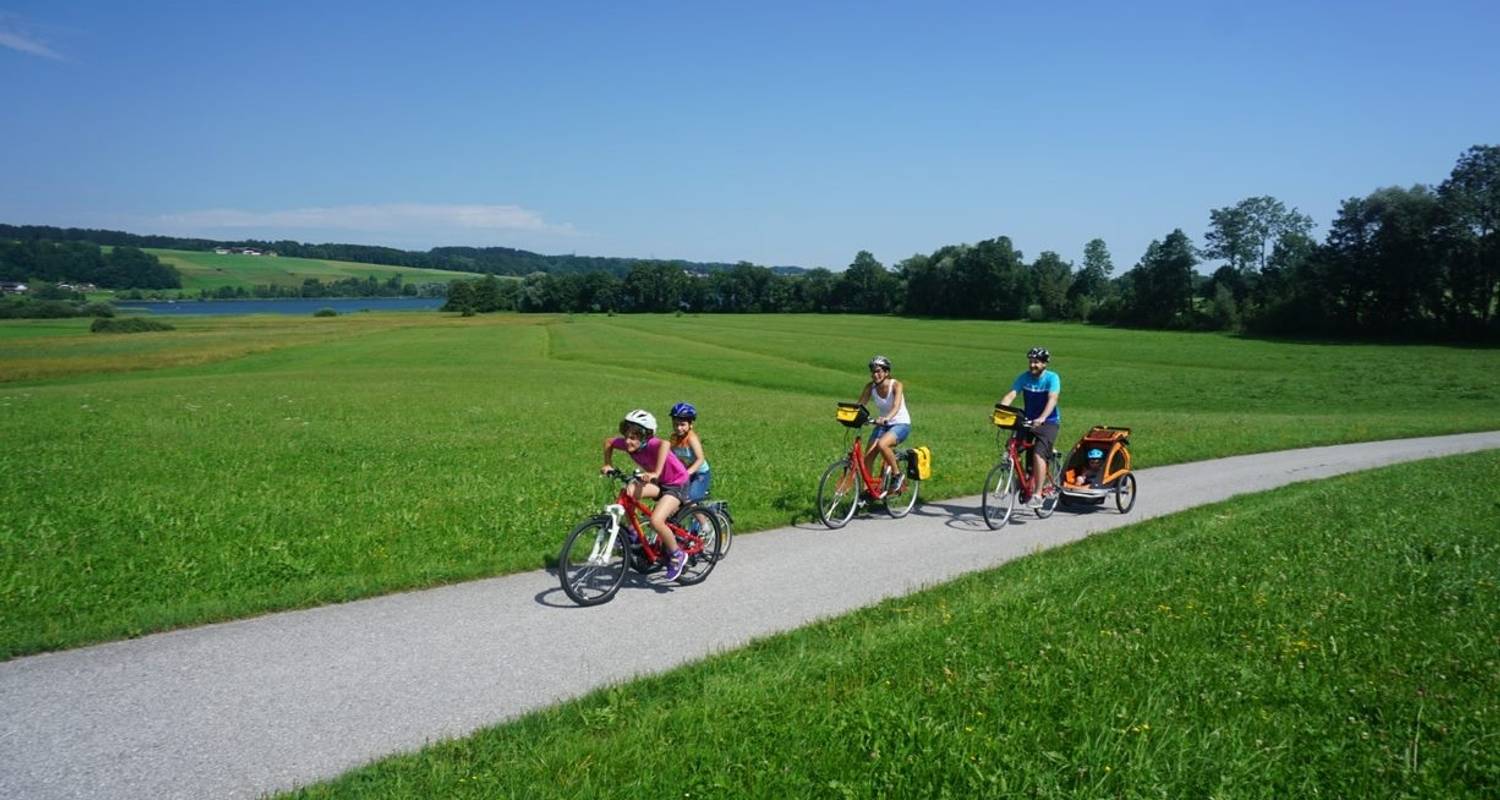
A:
(684, 411)
(1096, 453)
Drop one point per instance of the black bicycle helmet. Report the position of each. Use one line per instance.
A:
(1038, 353)
(882, 362)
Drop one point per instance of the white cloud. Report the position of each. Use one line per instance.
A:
(400, 219)
(15, 40)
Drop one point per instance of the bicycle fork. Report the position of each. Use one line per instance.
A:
(605, 545)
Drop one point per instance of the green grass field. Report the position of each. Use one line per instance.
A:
(240, 465)
(1331, 639)
(206, 270)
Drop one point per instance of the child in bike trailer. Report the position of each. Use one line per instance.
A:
(892, 419)
(689, 450)
(1090, 475)
(654, 457)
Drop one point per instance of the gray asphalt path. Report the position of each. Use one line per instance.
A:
(248, 707)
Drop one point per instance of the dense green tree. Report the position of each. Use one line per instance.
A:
(1378, 264)
(819, 290)
(1470, 200)
(866, 287)
(654, 286)
(1229, 238)
(1161, 294)
(538, 293)
(1246, 233)
(1052, 277)
(989, 280)
(925, 285)
(486, 295)
(1094, 276)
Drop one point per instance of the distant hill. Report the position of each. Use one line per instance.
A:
(484, 260)
(207, 271)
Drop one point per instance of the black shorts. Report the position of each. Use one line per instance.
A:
(1045, 436)
(680, 491)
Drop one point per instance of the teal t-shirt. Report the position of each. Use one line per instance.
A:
(1035, 391)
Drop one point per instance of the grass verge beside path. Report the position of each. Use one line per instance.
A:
(1332, 639)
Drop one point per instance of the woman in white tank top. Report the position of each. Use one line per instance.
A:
(892, 419)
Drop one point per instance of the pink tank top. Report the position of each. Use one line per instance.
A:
(673, 474)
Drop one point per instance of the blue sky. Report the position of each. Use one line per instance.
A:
(778, 133)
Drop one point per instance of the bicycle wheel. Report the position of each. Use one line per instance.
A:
(836, 506)
(1054, 482)
(1125, 492)
(700, 538)
(901, 503)
(999, 495)
(726, 526)
(590, 569)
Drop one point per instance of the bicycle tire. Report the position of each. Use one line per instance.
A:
(726, 528)
(1125, 492)
(999, 498)
(831, 509)
(1054, 479)
(702, 523)
(588, 576)
(902, 504)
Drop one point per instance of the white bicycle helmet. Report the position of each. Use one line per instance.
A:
(640, 418)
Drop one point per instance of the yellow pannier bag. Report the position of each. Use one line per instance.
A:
(919, 463)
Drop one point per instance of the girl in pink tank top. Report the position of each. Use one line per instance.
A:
(662, 477)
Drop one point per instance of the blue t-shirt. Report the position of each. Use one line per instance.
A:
(1035, 391)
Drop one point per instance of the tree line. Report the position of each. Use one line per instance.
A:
(369, 286)
(82, 262)
(1415, 262)
(484, 260)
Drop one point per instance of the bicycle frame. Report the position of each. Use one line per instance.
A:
(1013, 450)
(628, 510)
(857, 456)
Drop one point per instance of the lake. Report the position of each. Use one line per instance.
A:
(288, 305)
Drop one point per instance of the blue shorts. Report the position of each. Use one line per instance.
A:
(698, 484)
(901, 430)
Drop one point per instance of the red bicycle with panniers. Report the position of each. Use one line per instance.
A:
(599, 552)
(847, 483)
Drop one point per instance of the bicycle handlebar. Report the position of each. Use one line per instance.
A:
(622, 477)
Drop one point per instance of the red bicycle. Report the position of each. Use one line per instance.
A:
(1011, 479)
(596, 555)
(848, 484)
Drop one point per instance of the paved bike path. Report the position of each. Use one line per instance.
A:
(243, 708)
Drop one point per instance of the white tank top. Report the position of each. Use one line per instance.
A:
(883, 406)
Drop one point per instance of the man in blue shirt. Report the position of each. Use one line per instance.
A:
(1039, 388)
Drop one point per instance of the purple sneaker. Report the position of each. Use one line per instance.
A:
(675, 563)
